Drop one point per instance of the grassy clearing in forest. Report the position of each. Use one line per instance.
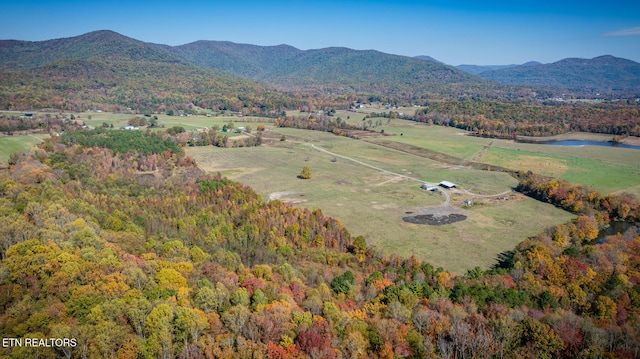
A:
(12, 144)
(372, 203)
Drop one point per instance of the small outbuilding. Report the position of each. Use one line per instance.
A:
(447, 184)
(429, 187)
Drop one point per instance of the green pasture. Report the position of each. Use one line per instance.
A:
(614, 173)
(606, 169)
(193, 122)
(12, 144)
(372, 203)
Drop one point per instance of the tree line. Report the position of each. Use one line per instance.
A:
(44, 123)
(503, 119)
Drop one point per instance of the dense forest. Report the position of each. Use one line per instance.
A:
(139, 254)
(509, 119)
(117, 84)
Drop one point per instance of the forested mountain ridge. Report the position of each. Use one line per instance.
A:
(427, 58)
(242, 59)
(96, 45)
(599, 74)
(332, 75)
(331, 69)
(107, 71)
(117, 84)
(143, 255)
(207, 73)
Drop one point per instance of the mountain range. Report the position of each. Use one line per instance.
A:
(603, 74)
(478, 69)
(107, 68)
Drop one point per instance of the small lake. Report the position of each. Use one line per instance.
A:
(580, 143)
(616, 227)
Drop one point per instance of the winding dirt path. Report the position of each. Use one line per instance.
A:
(445, 192)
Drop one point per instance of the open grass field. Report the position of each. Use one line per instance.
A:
(372, 203)
(13, 144)
(605, 169)
(188, 122)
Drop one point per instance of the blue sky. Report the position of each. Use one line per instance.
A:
(454, 32)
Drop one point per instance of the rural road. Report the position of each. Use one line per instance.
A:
(37, 138)
(446, 193)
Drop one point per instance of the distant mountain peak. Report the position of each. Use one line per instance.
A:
(101, 35)
(95, 45)
(428, 58)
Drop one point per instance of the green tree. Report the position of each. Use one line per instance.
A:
(305, 173)
(343, 283)
(188, 324)
(206, 299)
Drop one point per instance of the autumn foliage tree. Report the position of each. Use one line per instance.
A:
(305, 173)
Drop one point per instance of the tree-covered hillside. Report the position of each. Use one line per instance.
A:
(601, 75)
(250, 61)
(109, 70)
(96, 45)
(508, 120)
(335, 69)
(135, 254)
(116, 84)
(103, 68)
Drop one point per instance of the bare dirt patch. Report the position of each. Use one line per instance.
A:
(392, 180)
(289, 197)
(436, 216)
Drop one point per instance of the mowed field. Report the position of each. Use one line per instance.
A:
(13, 144)
(372, 203)
(605, 169)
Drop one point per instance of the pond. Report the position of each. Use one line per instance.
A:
(580, 143)
(616, 227)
